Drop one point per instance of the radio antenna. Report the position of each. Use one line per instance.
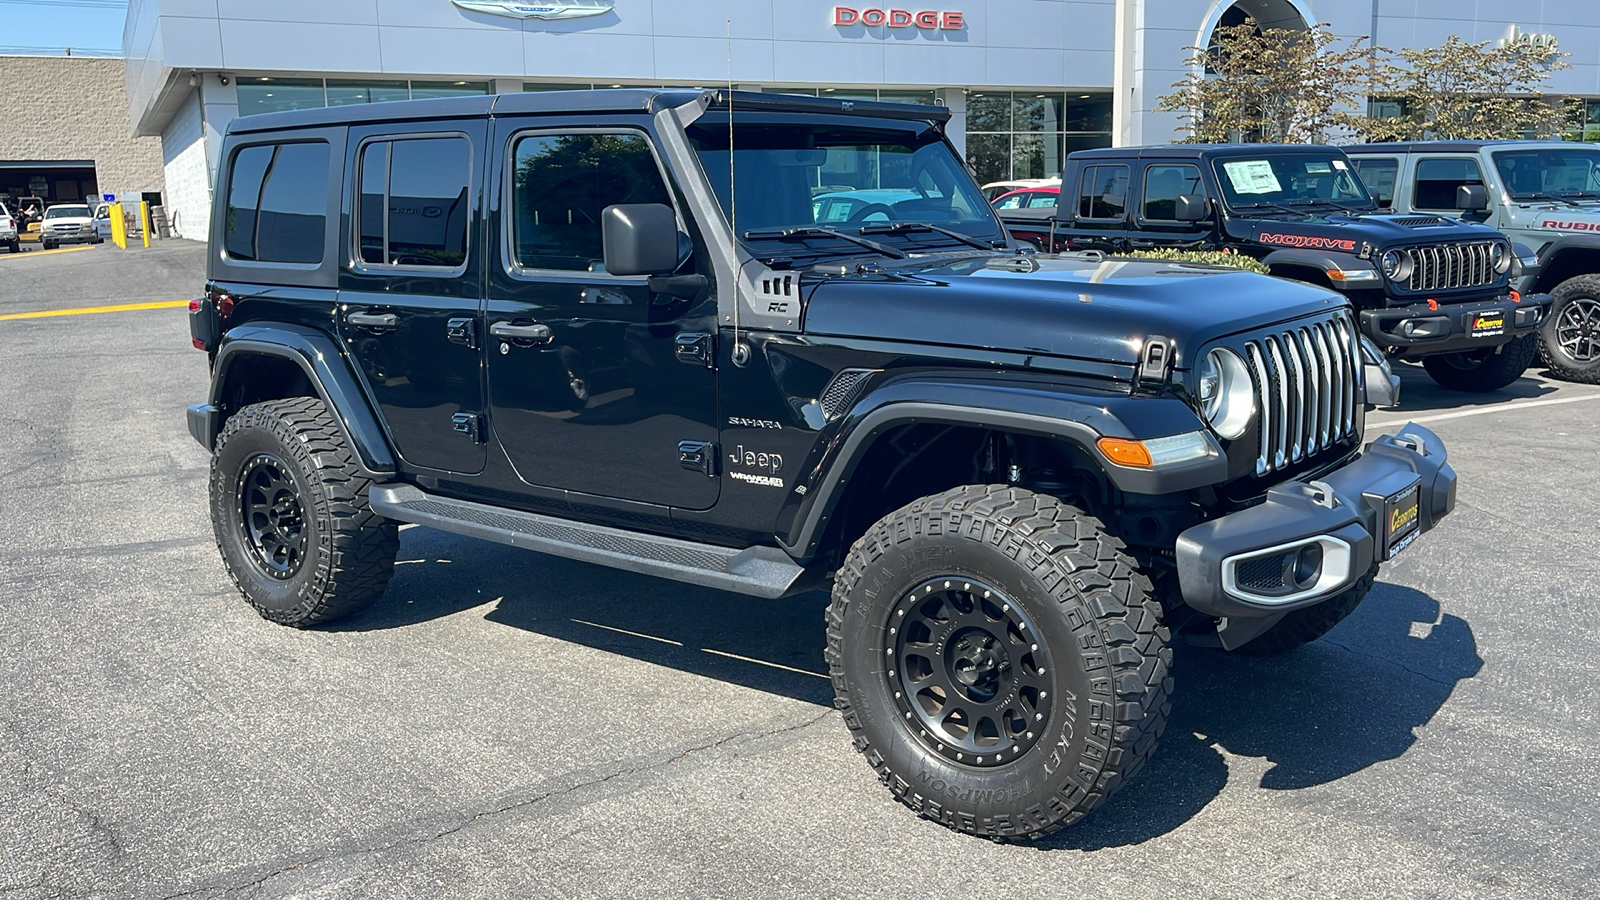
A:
(733, 202)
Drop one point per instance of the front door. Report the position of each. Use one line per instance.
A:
(590, 387)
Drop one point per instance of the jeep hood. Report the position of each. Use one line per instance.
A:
(1065, 307)
(1347, 233)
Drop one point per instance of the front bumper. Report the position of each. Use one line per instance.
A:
(1420, 330)
(74, 236)
(1241, 566)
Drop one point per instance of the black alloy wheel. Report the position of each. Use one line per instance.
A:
(1577, 330)
(968, 671)
(272, 516)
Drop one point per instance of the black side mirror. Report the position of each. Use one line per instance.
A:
(1191, 208)
(640, 239)
(1472, 197)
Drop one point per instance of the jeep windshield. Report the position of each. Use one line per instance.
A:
(1295, 183)
(819, 188)
(1550, 174)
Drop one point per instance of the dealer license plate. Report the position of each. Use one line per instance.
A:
(1402, 519)
(1490, 324)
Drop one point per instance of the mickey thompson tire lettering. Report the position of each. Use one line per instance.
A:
(350, 549)
(1093, 609)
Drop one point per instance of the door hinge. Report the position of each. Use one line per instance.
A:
(696, 349)
(698, 456)
(469, 424)
(462, 330)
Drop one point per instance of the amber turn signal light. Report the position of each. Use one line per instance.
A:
(1125, 452)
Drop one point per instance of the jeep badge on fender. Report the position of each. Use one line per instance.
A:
(1012, 471)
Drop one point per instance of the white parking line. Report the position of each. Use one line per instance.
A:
(762, 662)
(1480, 411)
(648, 637)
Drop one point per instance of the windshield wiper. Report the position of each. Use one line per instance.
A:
(804, 231)
(1333, 203)
(1554, 198)
(904, 227)
(1266, 205)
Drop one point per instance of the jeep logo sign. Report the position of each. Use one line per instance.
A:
(952, 20)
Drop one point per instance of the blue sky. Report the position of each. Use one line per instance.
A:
(50, 25)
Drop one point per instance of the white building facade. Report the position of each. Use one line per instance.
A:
(1026, 81)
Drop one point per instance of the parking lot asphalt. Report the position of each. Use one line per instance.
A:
(505, 724)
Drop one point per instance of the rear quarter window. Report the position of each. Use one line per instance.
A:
(277, 203)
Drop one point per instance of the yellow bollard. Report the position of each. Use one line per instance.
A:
(119, 228)
(144, 221)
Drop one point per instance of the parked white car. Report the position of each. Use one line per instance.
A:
(102, 221)
(68, 223)
(8, 230)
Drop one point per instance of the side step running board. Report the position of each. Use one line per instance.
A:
(759, 571)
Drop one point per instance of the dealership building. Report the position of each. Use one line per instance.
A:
(1026, 81)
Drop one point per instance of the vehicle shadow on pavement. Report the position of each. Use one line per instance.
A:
(768, 645)
(1328, 710)
(1420, 394)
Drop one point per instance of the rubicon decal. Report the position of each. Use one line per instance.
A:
(1570, 226)
(933, 20)
(534, 10)
(1307, 240)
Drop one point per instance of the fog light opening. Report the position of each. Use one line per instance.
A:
(1307, 568)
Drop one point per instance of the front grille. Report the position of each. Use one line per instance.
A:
(1447, 267)
(1307, 381)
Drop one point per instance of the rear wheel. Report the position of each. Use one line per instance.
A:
(1481, 371)
(289, 509)
(999, 660)
(1569, 340)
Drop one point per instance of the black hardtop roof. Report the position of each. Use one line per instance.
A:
(609, 100)
(1447, 146)
(1199, 151)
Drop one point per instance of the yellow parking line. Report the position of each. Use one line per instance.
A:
(32, 253)
(86, 310)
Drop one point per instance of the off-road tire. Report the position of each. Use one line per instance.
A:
(349, 550)
(15, 246)
(1493, 372)
(1302, 626)
(1109, 653)
(1562, 364)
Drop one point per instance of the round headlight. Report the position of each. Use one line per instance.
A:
(1226, 394)
(1396, 265)
(1500, 256)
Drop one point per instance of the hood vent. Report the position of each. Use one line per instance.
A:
(1419, 221)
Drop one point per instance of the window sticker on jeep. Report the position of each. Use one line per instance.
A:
(1320, 168)
(1252, 176)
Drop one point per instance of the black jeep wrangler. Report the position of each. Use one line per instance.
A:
(762, 343)
(1426, 287)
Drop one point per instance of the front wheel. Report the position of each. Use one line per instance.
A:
(289, 509)
(999, 659)
(1569, 340)
(1481, 371)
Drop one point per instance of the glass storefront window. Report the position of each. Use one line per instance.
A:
(347, 93)
(989, 111)
(1088, 112)
(422, 90)
(921, 98)
(1036, 112)
(264, 95)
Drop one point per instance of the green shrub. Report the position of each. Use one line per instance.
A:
(1207, 257)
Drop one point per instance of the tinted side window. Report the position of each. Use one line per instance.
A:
(1103, 192)
(561, 184)
(415, 202)
(277, 203)
(1379, 175)
(1437, 180)
(1163, 184)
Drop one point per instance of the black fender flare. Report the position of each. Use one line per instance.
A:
(1549, 253)
(1320, 260)
(999, 402)
(318, 356)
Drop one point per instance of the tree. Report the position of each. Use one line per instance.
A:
(1467, 91)
(1275, 85)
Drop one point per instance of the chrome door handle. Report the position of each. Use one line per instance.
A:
(373, 320)
(538, 332)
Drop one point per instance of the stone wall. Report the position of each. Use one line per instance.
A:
(75, 108)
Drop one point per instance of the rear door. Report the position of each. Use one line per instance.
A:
(1099, 206)
(409, 297)
(595, 381)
